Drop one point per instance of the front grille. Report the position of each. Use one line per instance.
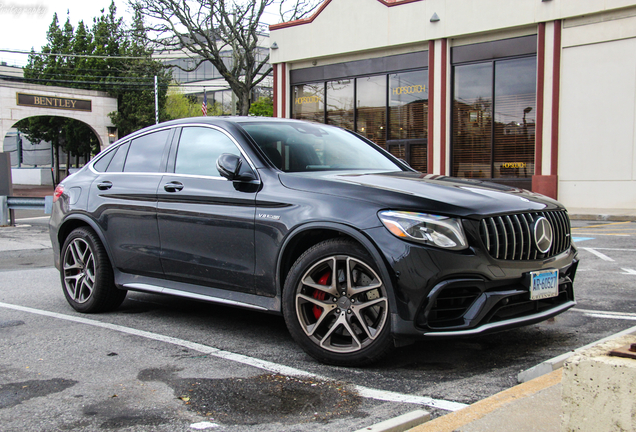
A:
(510, 237)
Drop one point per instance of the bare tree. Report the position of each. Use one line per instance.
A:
(227, 33)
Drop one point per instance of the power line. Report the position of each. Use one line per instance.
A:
(93, 56)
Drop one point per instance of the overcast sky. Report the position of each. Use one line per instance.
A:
(23, 23)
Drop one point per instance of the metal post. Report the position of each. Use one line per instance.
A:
(4, 211)
(156, 102)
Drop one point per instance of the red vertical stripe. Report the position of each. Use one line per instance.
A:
(538, 137)
(556, 89)
(275, 97)
(431, 105)
(443, 114)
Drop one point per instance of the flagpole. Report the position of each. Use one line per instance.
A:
(156, 102)
(204, 105)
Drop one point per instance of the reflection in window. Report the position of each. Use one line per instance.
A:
(303, 147)
(472, 117)
(199, 148)
(515, 114)
(145, 152)
(309, 102)
(340, 103)
(509, 152)
(371, 108)
(408, 101)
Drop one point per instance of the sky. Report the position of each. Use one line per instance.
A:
(24, 23)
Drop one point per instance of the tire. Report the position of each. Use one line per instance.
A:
(342, 321)
(87, 275)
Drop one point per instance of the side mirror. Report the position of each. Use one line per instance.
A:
(230, 166)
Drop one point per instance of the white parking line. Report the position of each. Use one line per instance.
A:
(366, 392)
(597, 253)
(607, 314)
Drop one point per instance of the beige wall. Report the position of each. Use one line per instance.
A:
(597, 128)
(349, 26)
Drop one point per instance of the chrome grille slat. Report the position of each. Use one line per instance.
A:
(510, 237)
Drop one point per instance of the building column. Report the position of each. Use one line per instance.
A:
(280, 90)
(545, 178)
(438, 105)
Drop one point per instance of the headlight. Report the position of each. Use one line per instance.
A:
(433, 230)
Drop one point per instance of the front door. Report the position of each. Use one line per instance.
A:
(206, 223)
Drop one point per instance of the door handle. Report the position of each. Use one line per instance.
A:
(173, 186)
(105, 185)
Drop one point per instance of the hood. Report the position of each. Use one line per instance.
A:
(422, 193)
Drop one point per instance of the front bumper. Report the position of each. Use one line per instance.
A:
(441, 293)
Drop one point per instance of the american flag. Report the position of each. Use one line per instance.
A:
(204, 105)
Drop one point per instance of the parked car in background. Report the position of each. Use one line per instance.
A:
(355, 249)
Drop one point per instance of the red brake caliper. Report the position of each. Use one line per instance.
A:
(320, 295)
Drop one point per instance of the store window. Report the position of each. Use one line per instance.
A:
(371, 108)
(340, 105)
(388, 109)
(408, 114)
(309, 102)
(494, 112)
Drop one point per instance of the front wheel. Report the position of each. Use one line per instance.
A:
(336, 306)
(87, 276)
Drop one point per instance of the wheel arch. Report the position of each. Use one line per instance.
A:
(77, 221)
(306, 236)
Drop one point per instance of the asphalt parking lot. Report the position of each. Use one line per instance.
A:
(159, 363)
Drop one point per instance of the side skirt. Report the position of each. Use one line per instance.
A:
(214, 295)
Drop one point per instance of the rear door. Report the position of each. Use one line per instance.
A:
(206, 223)
(123, 200)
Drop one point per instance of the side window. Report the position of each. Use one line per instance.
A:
(117, 164)
(199, 148)
(146, 152)
(103, 161)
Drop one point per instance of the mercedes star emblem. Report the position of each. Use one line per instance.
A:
(542, 234)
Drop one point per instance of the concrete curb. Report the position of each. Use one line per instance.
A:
(558, 361)
(400, 423)
(455, 420)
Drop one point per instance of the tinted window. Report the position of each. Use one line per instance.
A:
(117, 164)
(103, 162)
(199, 148)
(298, 147)
(146, 152)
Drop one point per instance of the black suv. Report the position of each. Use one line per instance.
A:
(355, 249)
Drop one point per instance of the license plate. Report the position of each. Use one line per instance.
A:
(544, 284)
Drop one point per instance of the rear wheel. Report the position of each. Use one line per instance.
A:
(87, 275)
(336, 306)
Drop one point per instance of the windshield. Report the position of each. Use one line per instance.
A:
(299, 147)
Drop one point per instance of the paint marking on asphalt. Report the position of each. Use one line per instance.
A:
(601, 225)
(617, 317)
(629, 271)
(580, 239)
(603, 312)
(597, 253)
(616, 249)
(366, 392)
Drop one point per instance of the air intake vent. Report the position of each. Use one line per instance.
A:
(511, 237)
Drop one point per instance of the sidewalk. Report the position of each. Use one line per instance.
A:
(534, 406)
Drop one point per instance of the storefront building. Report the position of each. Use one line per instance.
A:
(529, 93)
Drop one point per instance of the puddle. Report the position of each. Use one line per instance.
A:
(262, 399)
